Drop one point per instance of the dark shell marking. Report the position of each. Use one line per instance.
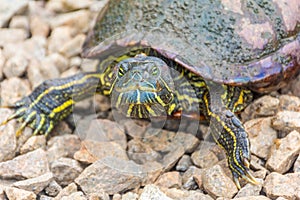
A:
(254, 43)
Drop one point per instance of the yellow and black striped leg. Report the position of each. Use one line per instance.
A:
(227, 130)
(52, 101)
(229, 133)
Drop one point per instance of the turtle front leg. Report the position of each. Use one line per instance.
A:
(230, 134)
(227, 130)
(52, 101)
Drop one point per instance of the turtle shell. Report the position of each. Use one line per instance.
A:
(251, 43)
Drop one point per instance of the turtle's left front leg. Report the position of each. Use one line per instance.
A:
(227, 130)
(230, 134)
(53, 100)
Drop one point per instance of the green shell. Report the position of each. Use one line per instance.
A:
(253, 43)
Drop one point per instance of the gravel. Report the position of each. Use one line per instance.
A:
(101, 159)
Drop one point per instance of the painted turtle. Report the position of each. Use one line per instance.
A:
(168, 56)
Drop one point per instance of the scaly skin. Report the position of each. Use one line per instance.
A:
(142, 87)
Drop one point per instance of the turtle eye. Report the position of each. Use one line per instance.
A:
(154, 71)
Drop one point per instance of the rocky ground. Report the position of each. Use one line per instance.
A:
(90, 156)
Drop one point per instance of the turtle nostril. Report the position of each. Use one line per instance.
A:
(136, 76)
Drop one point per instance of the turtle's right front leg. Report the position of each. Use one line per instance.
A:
(53, 100)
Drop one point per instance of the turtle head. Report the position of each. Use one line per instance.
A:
(143, 86)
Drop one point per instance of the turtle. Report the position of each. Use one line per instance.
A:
(191, 58)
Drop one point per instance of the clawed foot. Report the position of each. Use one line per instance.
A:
(229, 133)
(29, 114)
(240, 168)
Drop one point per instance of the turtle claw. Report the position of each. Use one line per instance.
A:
(247, 176)
(241, 169)
(236, 181)
(29, 116)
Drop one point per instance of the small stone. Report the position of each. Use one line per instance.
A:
(34, 74)
(89, 65)
(83, 155)
(130, 196)
(117, 197)
(297, 165)
(29, 165)
(184, 163)
(257, 163)
(62, 128)
(36, 184)
(19, 194)
(15, 66)
(75, 196)
(70, 72)
(262, 107)
(68, 190)
(103, 104)
(289, 102)
(39, 26)
(55, 6)
(75, 61)
(33, 143)
(32, 48)
(277, 185)
(97, 6)
(135, 128)
(281, 198)
(188, 141)
(44, 197)
(13, 89)
(141, 153)
(284, 153)
(153, 192)
(250, 189)
(61, 63)
(159, 139)
(12, 36)
(102, 130)
(65, 170)
(59, 36)
(70, 5)
(73, 47)
(171, 158)
(53, 189)
(286, 121)
(26, 134)
(175, 193)
(261, 135)
(295, 87)
(258, 197)
(261, 174)
(192, 178)
(152, 171)
(8, 140)
(100, 195)
(163, 141)
(48, 68)
(111, 175)
(2, 62)
(21, 22)
(170, 180)
(78, 20)
(197, 195)
(217, 183)
(9, 8)
(62, 146)
(204, 157)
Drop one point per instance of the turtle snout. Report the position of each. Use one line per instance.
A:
(140, 76)
(137, 76)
